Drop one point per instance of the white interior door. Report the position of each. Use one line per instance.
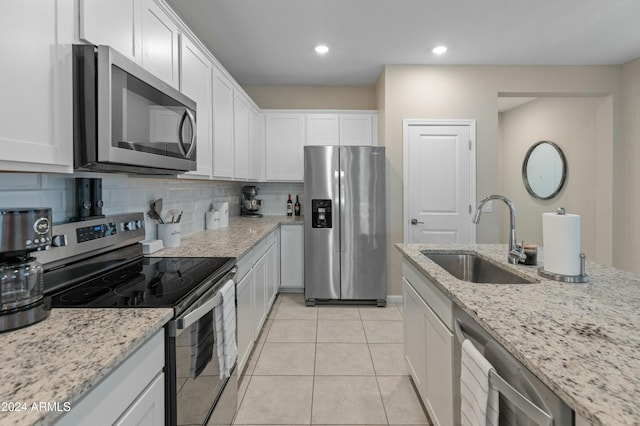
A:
(439, 181)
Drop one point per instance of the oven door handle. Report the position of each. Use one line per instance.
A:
(201, 311)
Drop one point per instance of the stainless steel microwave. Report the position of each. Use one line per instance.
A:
(126, 119)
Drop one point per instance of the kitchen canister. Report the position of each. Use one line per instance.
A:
(212, 220)
(224, 214)
(169, 233)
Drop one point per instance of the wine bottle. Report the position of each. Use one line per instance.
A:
(289, 206)
(296, 207)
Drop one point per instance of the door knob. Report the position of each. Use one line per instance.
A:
(415, 221)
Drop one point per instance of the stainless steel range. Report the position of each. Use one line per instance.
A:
(99, 264)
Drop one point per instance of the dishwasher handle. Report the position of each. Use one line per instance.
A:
(531, 410)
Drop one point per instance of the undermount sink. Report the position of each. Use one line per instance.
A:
(473, 268)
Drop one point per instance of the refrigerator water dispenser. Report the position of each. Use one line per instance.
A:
(321, 214)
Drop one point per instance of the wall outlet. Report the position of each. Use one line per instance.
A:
(488, 207)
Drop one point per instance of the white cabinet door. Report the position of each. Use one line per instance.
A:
(138, 379)
(245, 321)
(223, 157)
(272, 278)
(159, 43)
(241, 136)
(260, 284)
(323, 129)
(114, 23)
(358, 129)
(439, 369)
(292, 256)
(148, 409)
(284, 139)
(414, 335)
(36, 132)
(195, 82)
(256, 146)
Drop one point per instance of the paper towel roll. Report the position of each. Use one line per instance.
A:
(561, 241)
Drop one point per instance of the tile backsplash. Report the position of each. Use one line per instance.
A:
(126, 194)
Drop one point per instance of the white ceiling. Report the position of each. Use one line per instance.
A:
(271, 42)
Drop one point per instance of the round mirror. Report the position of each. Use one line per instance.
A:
(544, 170)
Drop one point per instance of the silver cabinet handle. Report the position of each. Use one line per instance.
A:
(415, 221)
(187, 115)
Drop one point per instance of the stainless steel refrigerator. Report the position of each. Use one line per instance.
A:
(345, 239)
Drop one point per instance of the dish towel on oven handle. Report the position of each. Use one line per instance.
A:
(479, 399)
(225, 314)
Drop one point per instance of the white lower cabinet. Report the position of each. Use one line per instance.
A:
(132, 394)
(244, 314)
(260, 283)
(292, 257)
(414, 334)
(148, 409)
(273, 275)
(428, 349)
(255, 292)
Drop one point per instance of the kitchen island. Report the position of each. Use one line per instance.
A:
(581, 340)
(49, 366)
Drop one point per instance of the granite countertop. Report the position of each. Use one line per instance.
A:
(581, 340)
(234, 240)
(61, 358)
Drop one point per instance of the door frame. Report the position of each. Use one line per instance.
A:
(406, 124)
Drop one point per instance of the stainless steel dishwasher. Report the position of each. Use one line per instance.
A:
(512, 374)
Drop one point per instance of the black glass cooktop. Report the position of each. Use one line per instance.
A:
(152, 282)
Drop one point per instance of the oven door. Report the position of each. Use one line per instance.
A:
(196, 393)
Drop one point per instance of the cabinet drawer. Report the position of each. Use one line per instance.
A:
(435, 298)
(115, 394)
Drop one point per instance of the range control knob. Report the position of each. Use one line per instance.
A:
(139, 224)
(59, 240)
(130, 226)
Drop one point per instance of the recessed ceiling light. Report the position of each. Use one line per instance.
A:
(439, 50)
(322, 49)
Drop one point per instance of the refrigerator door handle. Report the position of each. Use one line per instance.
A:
(341, 196)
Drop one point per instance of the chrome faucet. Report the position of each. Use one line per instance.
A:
(515, 255)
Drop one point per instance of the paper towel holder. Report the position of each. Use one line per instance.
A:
(582, 278)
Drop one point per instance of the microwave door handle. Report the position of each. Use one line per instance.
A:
(187, 115)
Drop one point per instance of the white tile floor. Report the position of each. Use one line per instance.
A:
(328, 365)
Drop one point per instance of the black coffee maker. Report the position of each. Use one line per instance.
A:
(22, 231)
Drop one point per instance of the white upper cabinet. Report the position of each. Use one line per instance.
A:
(195, 82)
(241, 136)
(35, 81)
(112, 23)
(256, 146)
(139, 29)
(358, 129)
(159, 42)
(223, 155)
(284, 140)
(323, 129)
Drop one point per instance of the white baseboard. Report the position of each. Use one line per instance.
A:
(394, 298)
